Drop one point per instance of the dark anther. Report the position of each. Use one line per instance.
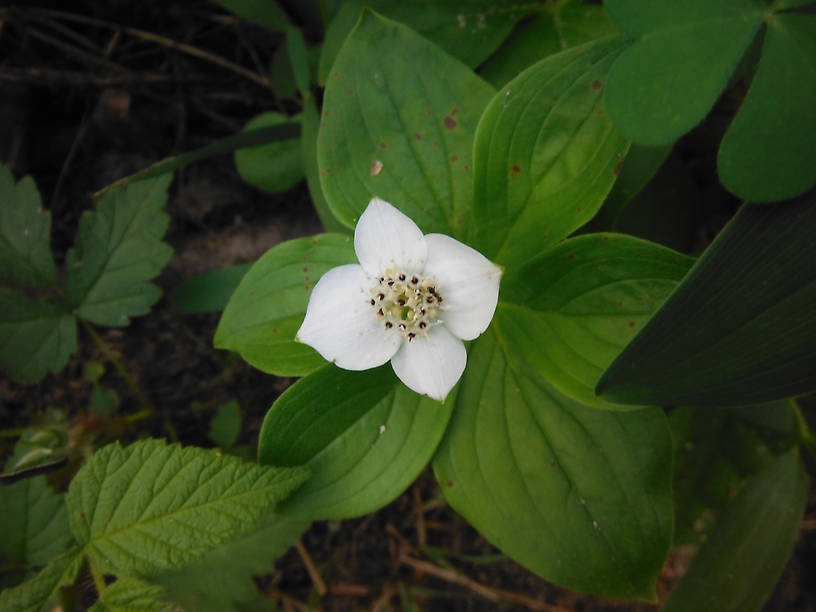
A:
(401, 302)
(372, 301)
(402, 277)
(390, 283)
(380, 296)
(388, 325)
(414, 280)
(402, 326)
(411, 336)
(382, 278)
(439, 298)
(380, 312)
(432, 290)
(429, 300)
(422, 325)
(422, 312)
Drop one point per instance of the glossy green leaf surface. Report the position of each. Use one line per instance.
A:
(740, 328)
(150, 506)
(209, 292)
(590, 297)
(35, 336)
(25, 234)
(35, 523)
(267, 308)
(545, 154)
(131, 594)
(118, 250)
(767, 153)
(275, 166)
(683, 56)
(580, 496)
(364, 436)
(738, 565)
(34, 594)
(222, 579)
(399, 116)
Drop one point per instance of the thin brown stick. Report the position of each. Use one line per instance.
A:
(314, 574)
(32, 74)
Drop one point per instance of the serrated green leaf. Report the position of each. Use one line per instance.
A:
(35, 336)
(590, 297)
(274, 166)
(35, 523)
(226, 424)
(469, 31)
(580, 496)
(364, 435)
(743, 557)
(132, 594)
(739, 329)
(150, 507)
(209, 292)
(25, 234)
(398, 121)
(562, 25)
(34, 594)
(683, 57)
(545, 154)
(222, 578)
(767, 153)
(268, 307)
(118, 250)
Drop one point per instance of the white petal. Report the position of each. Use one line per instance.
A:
(431, 364)
(341, 324)
(468, 283)
(385, 238)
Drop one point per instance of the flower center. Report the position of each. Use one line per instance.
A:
(406, 303)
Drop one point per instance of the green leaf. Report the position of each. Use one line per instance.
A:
(469, 31)
(561, 25)
(263, 12)
(579, 496)
(150, 507)
(275, 166)
(739, 329)
(209, 292)
(226, 424)
(767, 153)
(364, 436)
(545, 154)
(103, 401)
(35, 336)
(683, 57)
(240, 140)
(590, 297)
(223, 577)
(739, 564)
(35, 523)
(118, 250)
(716, 450)
(299, 58)
(34, 594)
(25, 234)
(398, 121)
(132, 594)
(268, 306)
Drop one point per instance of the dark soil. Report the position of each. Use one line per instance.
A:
(83, 104)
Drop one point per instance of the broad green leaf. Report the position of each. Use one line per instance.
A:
(398, 121)
(740, 328)
(35, 336)
(469, 31)
(118, 250)
(25, 234)
(560, 25)
(590, 297)
(209, 292)
(743, 557)
(274, 166)
(580, 496)
(263, 12)
(716, 450)
(222, 578)
(684, 54)
(132, 594)
(364, 436)
(767, 153)
(299, 58)
(545, 154)
(150, 507)
(226, 424)
(268, 306)
(34, 594)
(35, 523)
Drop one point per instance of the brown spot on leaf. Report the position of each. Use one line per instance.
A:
(619, 165)
(596, 84)
(580, 209)
(449, 122)
(515, 170)
(631, 323)
(417, 136)
(383, 145)
(552, 463)
(449, 484)
(570, 256)
(454, 158)
(274, 330)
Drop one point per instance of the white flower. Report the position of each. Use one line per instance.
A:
(412, 299)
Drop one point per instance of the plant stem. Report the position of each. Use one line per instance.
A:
(147, 407)
(806, 436)
(98, 578)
